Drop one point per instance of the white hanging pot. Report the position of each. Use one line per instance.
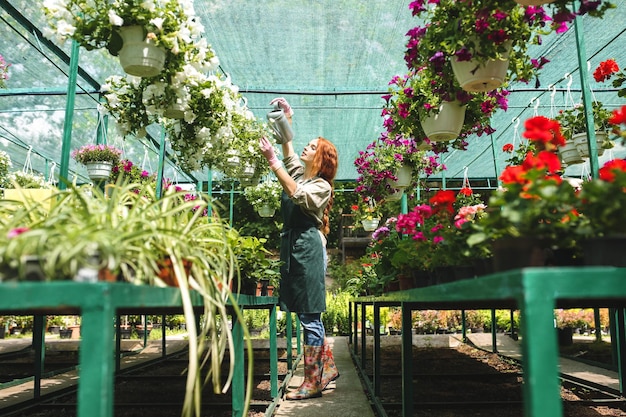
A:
(580, 139)
(369, 225)
(175, 111)
(99, 170)
(248, 171)
(140, 56)
(232, 158)
(266, 211)
(446, 124)
(403, 175)
(395, 195)
(480, 77)
(569, 154)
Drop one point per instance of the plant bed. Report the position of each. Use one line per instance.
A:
(158, 391)
(447, 381)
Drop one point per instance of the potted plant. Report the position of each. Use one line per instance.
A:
(475, 36)
(264, 197)
(129, 232)
(600, 201)
(98, 159)
(24, 186)
(125, 170)
(367, 214)
(166, 32)
(254, 261)
(574, 127)
(429, 106)
(534, 207)
(378, 166)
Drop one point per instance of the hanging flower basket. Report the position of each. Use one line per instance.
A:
(266, 211)
(100, 170)
(569, 154)
(580, 139)
(446, 124)
(403, 175)
(139, 56)
(369, 225)
(175, 111)
(248, 171)
(396, 194)
(475, 77)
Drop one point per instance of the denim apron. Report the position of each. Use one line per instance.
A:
(302, 273)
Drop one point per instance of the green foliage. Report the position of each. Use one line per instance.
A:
(336, 316)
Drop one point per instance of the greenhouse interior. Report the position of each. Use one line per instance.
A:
(241, 201)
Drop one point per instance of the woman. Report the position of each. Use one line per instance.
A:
(306, 201)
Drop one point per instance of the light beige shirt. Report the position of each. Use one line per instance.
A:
(311, 195)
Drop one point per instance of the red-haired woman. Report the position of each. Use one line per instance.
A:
(306, 201)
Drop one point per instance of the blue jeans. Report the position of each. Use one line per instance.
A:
(313, 328)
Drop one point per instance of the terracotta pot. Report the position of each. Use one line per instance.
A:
(166, 271)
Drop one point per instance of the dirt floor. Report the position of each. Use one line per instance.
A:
(459, 381)
(468, 382)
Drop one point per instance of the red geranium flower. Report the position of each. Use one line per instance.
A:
(605, 70)
(443, 199)
(619, 116)
(508, 148)
(513, 174)
(607, 172)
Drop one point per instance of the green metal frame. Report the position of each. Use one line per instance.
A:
(536, 292)
(98, 304)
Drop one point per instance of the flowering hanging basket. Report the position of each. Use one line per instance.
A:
(569, 154)
(99, 170)
(474, 76)
(266, 211)
(446, 124)
(369, 225)
(403, 175)
(140, 56)
(580, 139)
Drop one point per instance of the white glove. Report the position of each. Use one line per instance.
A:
(281, 103)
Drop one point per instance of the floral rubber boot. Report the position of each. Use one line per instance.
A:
(310, 388)
(329, 369)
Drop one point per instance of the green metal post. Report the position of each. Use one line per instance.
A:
(210, 192)
(238, 372)
(232, 203)
(64, 168)
(363, 335)
(494, 328)
(95, 393)
(586, 91)
(463, 327)
(407, 362)
(39, 334)
(273, 353)
(404, 205)
(289, 336)
(493, 156)
(118, 343)
(376, 351)
(540, 351)
(163, 338)
(159, 185)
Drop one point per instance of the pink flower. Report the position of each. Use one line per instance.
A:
(16, 232)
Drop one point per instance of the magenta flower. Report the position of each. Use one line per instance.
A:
(16, 232)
